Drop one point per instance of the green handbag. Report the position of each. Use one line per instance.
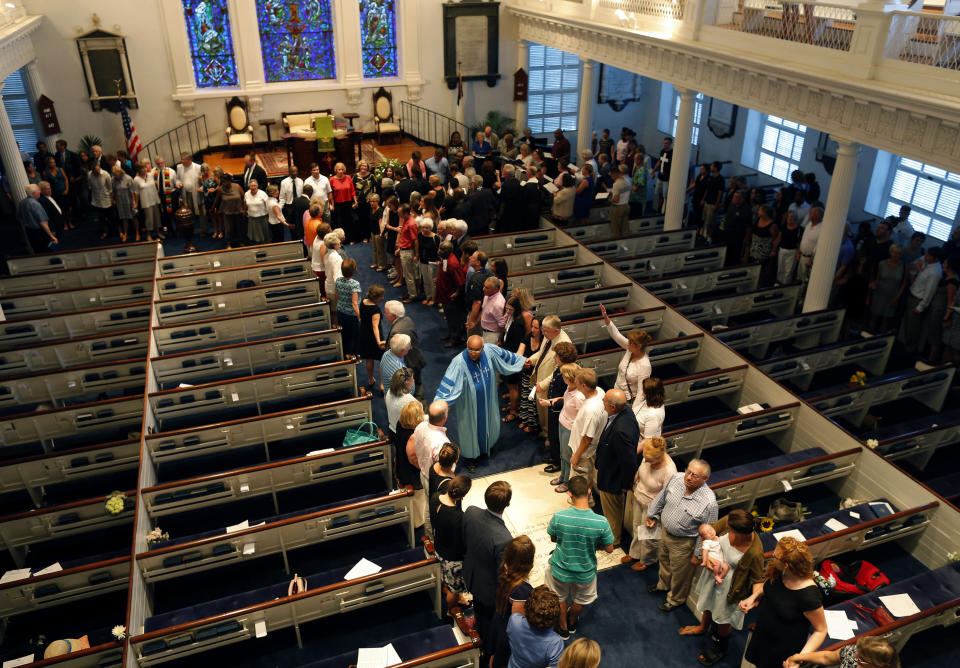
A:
(358, 436)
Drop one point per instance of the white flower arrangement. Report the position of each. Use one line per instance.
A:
(872, 443)
(158, 535)
(953, 556)
(119, 632)
(115, 503)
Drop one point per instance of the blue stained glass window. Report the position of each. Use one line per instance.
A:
(378, 36)
(296, 39)
(211, 42)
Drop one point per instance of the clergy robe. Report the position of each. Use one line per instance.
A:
(472, 389)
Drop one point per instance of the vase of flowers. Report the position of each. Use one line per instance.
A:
(114, 504)
(158, 535)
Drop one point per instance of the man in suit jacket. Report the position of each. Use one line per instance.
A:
(513, 202)
(616, 458)
(482, 204)
(253, 172)
(485, 537)
(401, 323)
(299, 207)
(56, 217)
(543, 362)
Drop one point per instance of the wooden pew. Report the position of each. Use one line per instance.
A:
(808, 330)
(918, 444)
(685, 287)
(232, 278)
(238, 302)
(230, 257)
(589, 332)
(600, 230)
(656, 265)
(679, 350)
(43, 329)
(694, 439)
(930, 387)
(557, 256)
(78, 259)
(72, 279)
(780, 301)
(73, 583)
(96, 349)
(799, 368)
(570, 277)
(644, 244)
(36, 304)
(79, 384)
(494, 244)
(577, 302)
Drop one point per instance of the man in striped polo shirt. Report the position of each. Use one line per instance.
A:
(579, 533)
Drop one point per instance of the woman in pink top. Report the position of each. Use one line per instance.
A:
(344, 202)
(572, 400)
(415, 161)
(653, 474)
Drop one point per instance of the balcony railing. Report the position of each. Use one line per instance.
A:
(664, 9)
(819, 24)
(925, 39)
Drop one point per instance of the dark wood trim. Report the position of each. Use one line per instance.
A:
(200, 542)
(60, 272)
(618, 286)
(615, 315)
(98, 309)
(64, 453)
(81, 367)
(798, 316)
(278, 339)
(258, 376)
(820, 349)
(222, 475)
(66, 571)
(221, 318)
(566, 267)
(73, 407)
(220, 270)
(44, 293)
(84, 250)
(88, 337)
(441, 654)
(498, 254)
(866, 525)
(227, 423)
(258, 607)
(36, 512)
(915, 433)
(587, 242)
(271, 286)
(899, 623)
(96, 649)
(886, 381)
(732, 418)
(788, 467)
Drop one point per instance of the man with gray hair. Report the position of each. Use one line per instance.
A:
(34, 221)
(616, 458)
(543, 362)
(428, 438)
(394, 359)
(395, 313)
(493, 317)
(481, 206)
(512, 201)
(680, 508)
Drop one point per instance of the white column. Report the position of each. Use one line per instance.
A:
(585, 118)
(677, 189)
(10, 155)
(520, 108)
(834, 226)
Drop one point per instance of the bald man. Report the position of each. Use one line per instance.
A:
(616, 458)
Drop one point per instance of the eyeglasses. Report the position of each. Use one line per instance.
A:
(695, 475)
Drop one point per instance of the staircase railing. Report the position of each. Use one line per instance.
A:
(190, 137)
(430, 127)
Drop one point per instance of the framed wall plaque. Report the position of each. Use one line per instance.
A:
(471, 42)
(722, 120)
(618, 88)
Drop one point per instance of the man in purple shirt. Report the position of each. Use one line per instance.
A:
(492, 316)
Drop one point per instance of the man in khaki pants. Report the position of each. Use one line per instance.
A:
(681, 507)
(543, 362)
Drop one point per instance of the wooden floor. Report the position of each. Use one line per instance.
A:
(275, 162)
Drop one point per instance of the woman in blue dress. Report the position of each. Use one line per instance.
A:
(586, 191)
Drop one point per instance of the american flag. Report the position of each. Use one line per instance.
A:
(130, 132)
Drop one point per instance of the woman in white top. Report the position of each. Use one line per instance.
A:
(635, 365)
(275, 215)
(652, 475)
(398, 396)
(562, 208)
(147, 199)
(331, 267)
(650, 412)
(255, 203)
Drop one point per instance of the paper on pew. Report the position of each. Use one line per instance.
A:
(900, 605)
(22, 661)
(260, 628)
(249, 548)
(834, 524)
(749, 408)
(238, 527)
(184, 385)
(319, 452)
(839, 627)
(786, 485)
(3, 316)
(791, 533)
(602, 196)
(362, 568)
(15, 574)
(372, 657)
(52, 568)
(882, 504)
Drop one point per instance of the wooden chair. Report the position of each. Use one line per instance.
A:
(239, 130)
(383, 114)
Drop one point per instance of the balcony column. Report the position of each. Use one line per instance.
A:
(677, 189)
(834, 227)
(585, 118)
(520, 107)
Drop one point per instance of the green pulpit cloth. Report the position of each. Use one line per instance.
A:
(324, 127)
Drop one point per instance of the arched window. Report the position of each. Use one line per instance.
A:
(378, 38)
(211, 43)
(296, 40)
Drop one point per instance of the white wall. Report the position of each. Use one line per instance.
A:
(140, 21)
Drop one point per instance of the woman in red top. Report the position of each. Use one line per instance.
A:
(344, 202)
(450, 282)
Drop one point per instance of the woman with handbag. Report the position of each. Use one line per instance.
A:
(790, 603)
(720, 603)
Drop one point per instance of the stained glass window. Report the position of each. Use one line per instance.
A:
(211, 42)
(296, 38)
(378, 36)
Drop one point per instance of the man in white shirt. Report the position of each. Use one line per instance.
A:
(921, 293)
(189, 184)
(799, 207)
(808, 244)
(320, 184)
(429, 436)
(458, 179)
(587, 428)
(290, 189)
(620, 202)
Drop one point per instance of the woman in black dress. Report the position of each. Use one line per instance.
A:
(372, 343)
(441, 473)
(515, 340)
(790, 603)
(529, 419)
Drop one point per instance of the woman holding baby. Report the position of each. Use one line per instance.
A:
(741, 551)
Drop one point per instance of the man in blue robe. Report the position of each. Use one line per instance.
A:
(470, 385)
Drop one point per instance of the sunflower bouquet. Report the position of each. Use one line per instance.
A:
(859, 378)
(114, 504)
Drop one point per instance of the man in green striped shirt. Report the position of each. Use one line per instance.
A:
(579, 533)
